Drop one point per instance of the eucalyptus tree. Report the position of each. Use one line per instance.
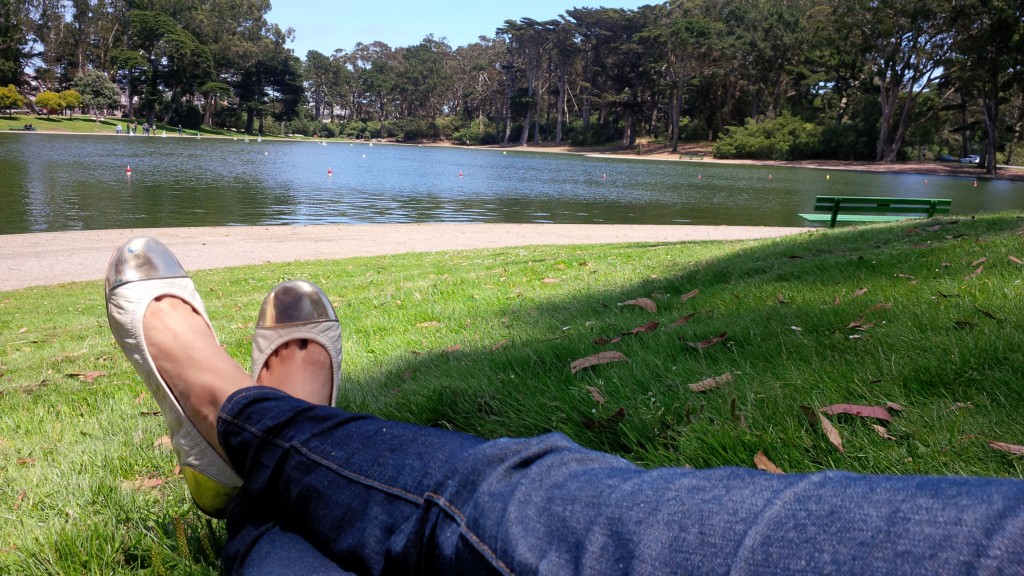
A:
(422, 76)
(15, 22)
(904, 44)
(318, 72)
(988, 62)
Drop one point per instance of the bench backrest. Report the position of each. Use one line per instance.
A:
(882, 205)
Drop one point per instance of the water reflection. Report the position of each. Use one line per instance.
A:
(54, 182)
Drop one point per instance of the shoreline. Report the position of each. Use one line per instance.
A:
(48, 258)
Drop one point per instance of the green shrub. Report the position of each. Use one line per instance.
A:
(782, 138)
(476, 134)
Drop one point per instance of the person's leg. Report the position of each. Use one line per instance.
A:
(378, 496)
(386, 497)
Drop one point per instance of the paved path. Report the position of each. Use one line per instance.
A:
(57, 257)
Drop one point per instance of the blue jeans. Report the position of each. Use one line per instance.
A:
(328, 491)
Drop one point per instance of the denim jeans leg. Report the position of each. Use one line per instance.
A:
(384, 497)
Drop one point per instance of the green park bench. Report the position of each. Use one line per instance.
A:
(875, 209)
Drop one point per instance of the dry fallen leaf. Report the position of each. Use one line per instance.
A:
(882, 432)
(550, 280)
(20, 499)
(689, 295)
(1016, 260)
(979, 261)
(934, 228)
(780, 298)
(764, 464)
(142, 483)
(428, 324)
(454, 348)
(500, 345)
(596, 395)
(162, 442)
(645, 303)
(709, 342)
(23, 461)
(711, 383)
(596, 359)
(880, 306)
(649, 327)
(861, 292)
(818, 420)
(682, 321)
(87, 376)
(862, 411)
(1009, 448)
(974, 274)
(894, 406)
(859, 324)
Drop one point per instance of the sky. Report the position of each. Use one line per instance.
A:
(326, 25)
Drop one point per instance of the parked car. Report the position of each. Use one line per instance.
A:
(946, 158)
(972, 159)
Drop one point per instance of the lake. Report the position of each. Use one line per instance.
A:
(52, 182)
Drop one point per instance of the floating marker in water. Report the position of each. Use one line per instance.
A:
(460, 173)
(699, 177)
(128, 171)
(828, 177)
(330, 172)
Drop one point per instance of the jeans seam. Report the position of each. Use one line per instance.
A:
(479, 544)
(777, 502)
(359, 478)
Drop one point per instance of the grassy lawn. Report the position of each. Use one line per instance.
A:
(89, 125)
(927, 315)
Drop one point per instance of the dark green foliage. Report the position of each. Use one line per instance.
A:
(783, 138)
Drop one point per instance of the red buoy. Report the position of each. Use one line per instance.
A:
(128, 171)
(330, 172)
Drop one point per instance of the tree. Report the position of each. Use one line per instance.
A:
(98, 93)
(70, 99)
(14, 23)
(49, 101)
(10, 99)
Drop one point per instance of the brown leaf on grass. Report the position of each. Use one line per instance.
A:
(607, 341)
(882, 432)
(550, 280)
(24, 461)
(1016, 260)
(87, 376)
(818, 420)
(609, 422)
(22, 330)
(20, 499)
(689, 295)
(453, 348)
(780, 298)
(1014, 449)
(428, 324)
(974, 274)
(836, 301)
(141, 398)
(894, 406)
(959, 406)
(646, 328)
(979, 261)
(645, 303)
(880, 306)
(711, 383)
(596, 395)
(765, 465)
(862, 411)
(908, 276)
(860, 324)
(986, 313)
(500, 345)
(143, 483)
(162, 442)
(709, 342)
(934, 228)
(861, 292)
(681, 321)
(597, 359)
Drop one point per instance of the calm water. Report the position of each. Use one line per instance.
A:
(54, 183)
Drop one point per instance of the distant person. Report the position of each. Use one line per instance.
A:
(117, 129)
(308, 488)
(179, 130)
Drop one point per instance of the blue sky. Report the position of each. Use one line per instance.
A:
(325, 25)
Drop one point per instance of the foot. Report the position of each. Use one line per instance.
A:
(200, 374)
(300, 368)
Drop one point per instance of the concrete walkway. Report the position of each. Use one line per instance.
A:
(56, 257)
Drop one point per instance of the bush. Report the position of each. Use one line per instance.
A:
(782, 138)
(476, 134)
(188, 116)
(310, 127)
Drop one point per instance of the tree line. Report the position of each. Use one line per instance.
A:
(876, 80)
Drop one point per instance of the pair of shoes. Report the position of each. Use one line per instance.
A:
(297, 310)
(143, 269)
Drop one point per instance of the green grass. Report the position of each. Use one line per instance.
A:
(89, 125)
(481, 341)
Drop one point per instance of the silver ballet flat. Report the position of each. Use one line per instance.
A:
(141, 270)
(297, 310)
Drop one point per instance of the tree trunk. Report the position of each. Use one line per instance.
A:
(560, 108)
